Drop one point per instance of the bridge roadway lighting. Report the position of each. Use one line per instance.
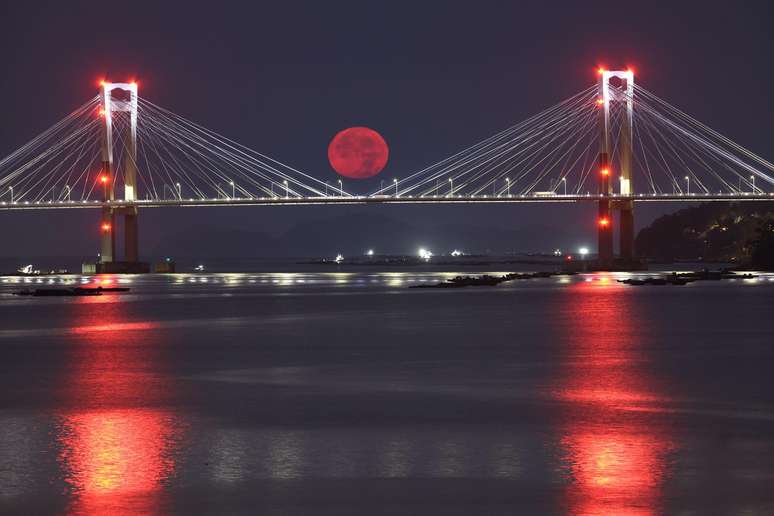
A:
(752, 178)
(564, 182)
(451, 187)
(285, 182)
(341, 188)
(395, 181)
(179, 191)
(233, 189)
(688, 185)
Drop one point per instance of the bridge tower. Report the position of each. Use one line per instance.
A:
(110, 106)
(616, 93)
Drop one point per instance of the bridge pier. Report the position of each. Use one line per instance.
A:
(626, 230)
(604, 219)
(108, 240)
(108, 262)
(131, 236)
(616, 88)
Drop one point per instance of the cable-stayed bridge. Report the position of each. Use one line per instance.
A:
(614, 143)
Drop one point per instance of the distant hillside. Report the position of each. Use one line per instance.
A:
(354, 233)
(709, 232)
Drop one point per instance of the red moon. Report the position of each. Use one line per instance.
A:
(358, 152)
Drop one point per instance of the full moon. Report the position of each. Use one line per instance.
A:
(358, 152)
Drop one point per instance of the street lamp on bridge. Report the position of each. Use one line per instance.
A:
(179, 191)
(395, 180)
(752, 180)
(508, 186)
(451, 187)
(688, 185)
(233, 189)
(341, 187)
(287, 191)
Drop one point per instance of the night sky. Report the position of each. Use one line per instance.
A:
(431, 77)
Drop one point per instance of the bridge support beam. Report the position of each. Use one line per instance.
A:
(626, 231)
(616, 90)
(108, 240)
(604, 219)
(131, 237)
(123, 107)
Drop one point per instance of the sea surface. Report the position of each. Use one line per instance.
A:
(346, 392)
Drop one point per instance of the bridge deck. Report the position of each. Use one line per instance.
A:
(339, 200)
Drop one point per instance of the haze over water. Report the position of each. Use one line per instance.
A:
(348, 393)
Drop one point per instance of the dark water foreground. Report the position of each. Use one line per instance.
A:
(337, 393)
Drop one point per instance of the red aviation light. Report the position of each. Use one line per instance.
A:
(106, 227)
(101, 112)
(604, 222)
(600, 102)
(601, 70)
(103, 179)
(605, 172)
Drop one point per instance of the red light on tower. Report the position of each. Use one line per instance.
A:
(103, 179)
(101, 112)
(604, 222)
(601, 70)
(605, 172)
(600, 102)
(106, 227)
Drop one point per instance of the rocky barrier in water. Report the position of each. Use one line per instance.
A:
(489, 281)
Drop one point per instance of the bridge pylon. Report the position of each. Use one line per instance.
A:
(125, 106)
(616, 91)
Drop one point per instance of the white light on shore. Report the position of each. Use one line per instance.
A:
(425, 254)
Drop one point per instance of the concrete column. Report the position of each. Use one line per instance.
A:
(107, 231)
(626, 208)
(626, 230)
(604, 230)
(131, 237)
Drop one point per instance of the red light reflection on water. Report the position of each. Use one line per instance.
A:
(117, 447)
(614, 451)
(116, 460)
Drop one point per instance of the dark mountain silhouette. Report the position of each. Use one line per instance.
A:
(711, 232)
(353, 234)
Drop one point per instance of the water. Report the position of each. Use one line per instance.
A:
(348, 393)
